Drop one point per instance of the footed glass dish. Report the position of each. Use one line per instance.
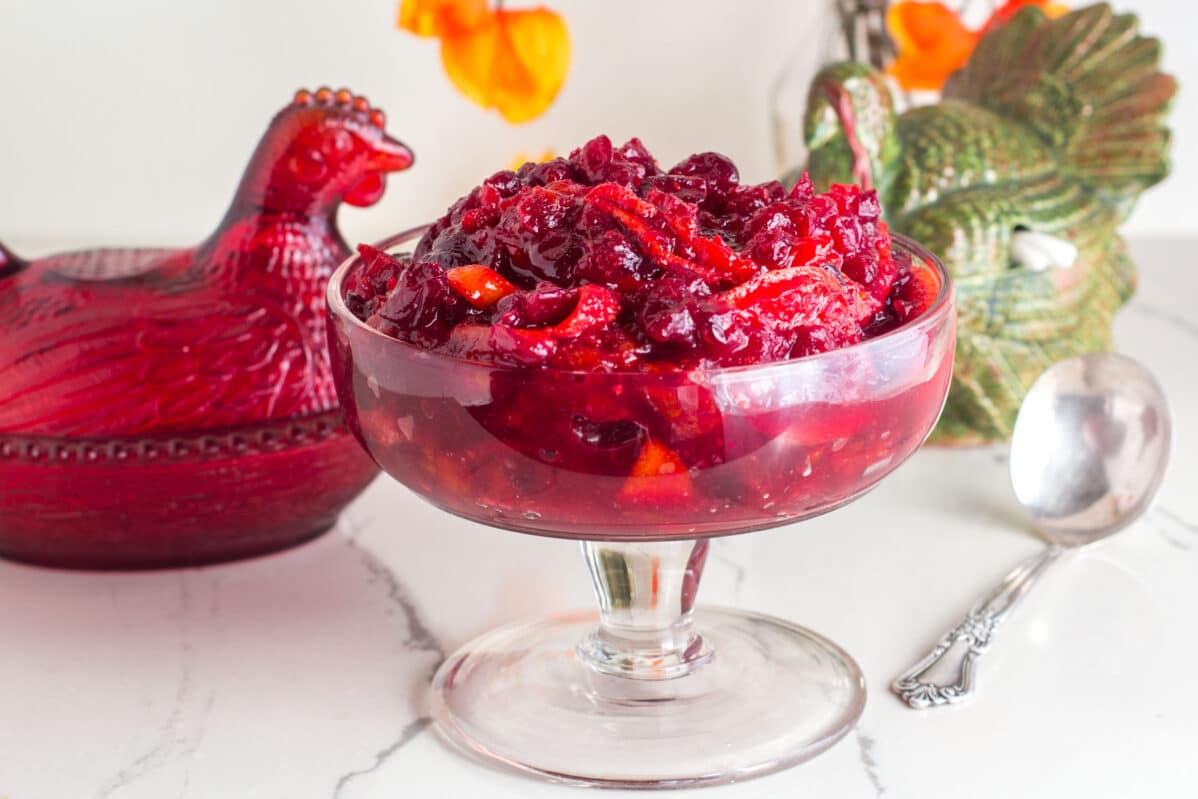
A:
(649, 691)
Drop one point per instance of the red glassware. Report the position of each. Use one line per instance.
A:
(176, 499)
(172, 407)
(642, 467)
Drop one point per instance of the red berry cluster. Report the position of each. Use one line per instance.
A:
(605, 261)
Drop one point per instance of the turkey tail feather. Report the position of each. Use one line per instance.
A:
(1089, 84)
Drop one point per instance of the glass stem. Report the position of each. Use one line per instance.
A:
(646, 593)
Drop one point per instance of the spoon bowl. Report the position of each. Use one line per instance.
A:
(1090, 447)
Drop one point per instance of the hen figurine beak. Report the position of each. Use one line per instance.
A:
(389, 155)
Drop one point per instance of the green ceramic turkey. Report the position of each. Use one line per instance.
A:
(1018, 179)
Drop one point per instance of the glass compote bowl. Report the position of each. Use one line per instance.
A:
(649, 691)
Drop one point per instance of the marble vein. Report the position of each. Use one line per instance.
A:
(194, 745)
(1166, 522)
(169, 743)
(1188, 526)
(420, 639)
(865, 750)
(214, 584)
(1177, 320)
(410, 731)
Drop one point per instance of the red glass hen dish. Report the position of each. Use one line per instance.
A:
(167, 407)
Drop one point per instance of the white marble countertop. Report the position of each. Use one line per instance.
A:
(303, 674)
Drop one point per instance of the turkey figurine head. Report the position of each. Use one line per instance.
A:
(850, 128)
(325, 148)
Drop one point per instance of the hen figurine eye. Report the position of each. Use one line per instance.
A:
(309, 166)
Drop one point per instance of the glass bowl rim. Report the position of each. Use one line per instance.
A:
(932, 316)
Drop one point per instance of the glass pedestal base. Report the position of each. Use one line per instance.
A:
(766, 695)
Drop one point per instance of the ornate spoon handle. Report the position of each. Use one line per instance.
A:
(945, 676)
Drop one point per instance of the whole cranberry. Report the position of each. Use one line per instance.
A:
(611, 260)
(687, 188)
(717, 171)
(599, 162)
(545, 305)
(537, 230)
(506, 183)
(670, 312)
(548, 172)
(422, 307)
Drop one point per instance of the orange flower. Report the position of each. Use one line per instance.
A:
(441, 17)
(1011, 7)
(514, 61)
(932, 42)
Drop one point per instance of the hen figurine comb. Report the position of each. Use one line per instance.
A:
(343, 98)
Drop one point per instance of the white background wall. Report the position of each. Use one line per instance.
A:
(129, 121)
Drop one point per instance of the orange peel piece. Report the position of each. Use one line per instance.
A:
(657, 475)
(479, 285)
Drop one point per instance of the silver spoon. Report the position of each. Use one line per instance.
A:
(1088, 454)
